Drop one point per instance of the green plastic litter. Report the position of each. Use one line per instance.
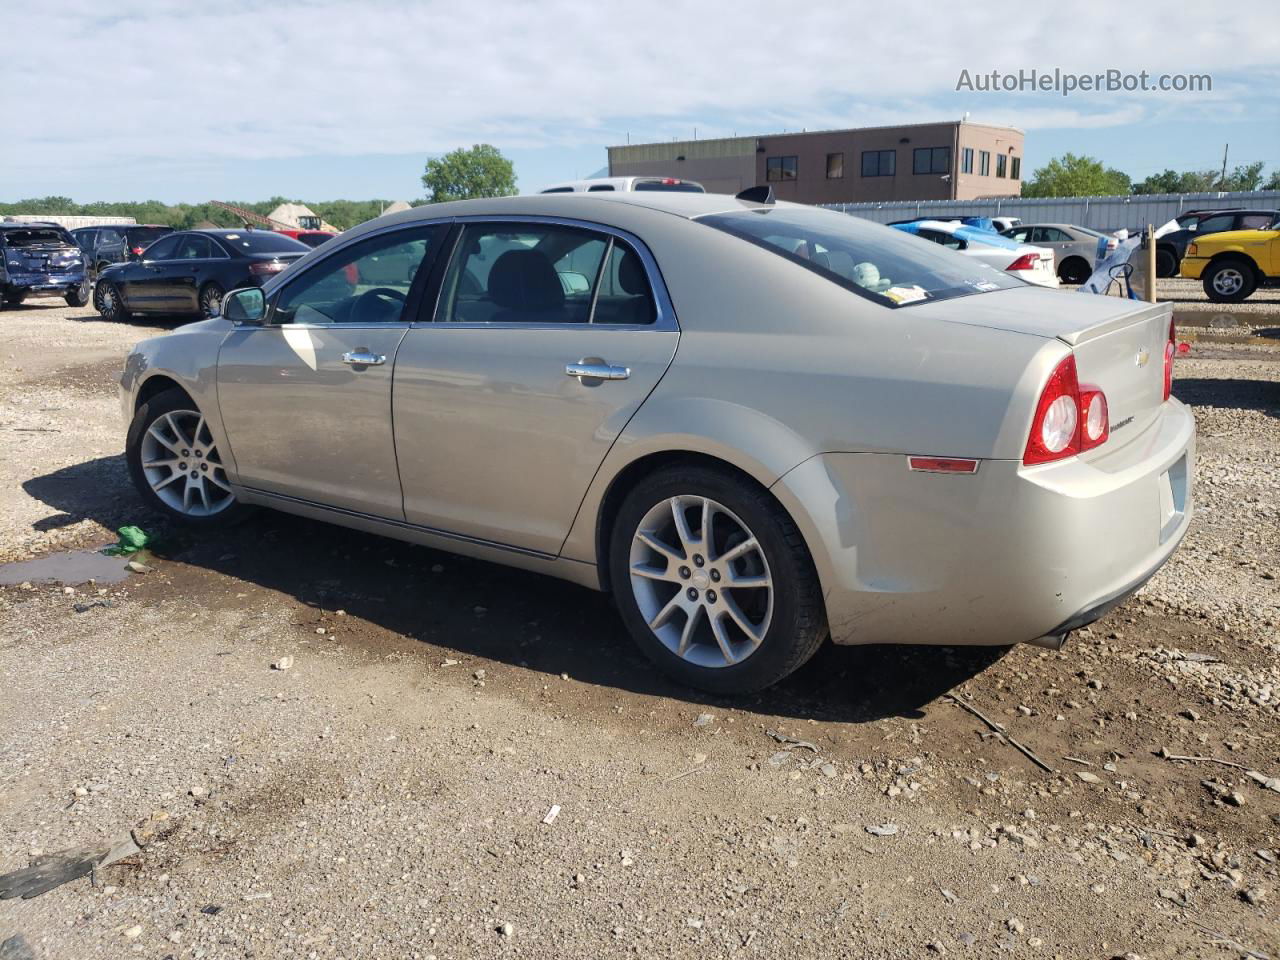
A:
(132, 539)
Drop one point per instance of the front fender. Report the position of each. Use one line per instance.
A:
(189, 358)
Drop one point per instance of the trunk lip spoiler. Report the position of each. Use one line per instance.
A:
(1111, 325)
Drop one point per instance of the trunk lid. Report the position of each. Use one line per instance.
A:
(1118, 344)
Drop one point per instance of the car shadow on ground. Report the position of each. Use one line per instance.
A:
(527, 620)
(1229, 393)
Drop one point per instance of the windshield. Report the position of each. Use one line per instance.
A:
(670, 186)
(37, 236)
(880, 263)
(263, 241)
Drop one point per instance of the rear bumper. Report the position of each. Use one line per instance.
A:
(1008, 554)
(38, 284)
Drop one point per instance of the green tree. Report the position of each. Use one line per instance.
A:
(1247, 177)
(1274, 182)
(1072, 176)
(462, 174)
(1170, 181)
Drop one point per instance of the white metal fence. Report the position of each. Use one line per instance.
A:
(1100, 213)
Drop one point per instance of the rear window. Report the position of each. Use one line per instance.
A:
(670, 186)
(263, 241)
(142, 236)
(880, 263)
(37, 236)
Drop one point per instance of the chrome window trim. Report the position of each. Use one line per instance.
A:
(275, 292)
(665, 321)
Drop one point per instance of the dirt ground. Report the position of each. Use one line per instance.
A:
(388, 794)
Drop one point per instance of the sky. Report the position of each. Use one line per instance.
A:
(326, 99)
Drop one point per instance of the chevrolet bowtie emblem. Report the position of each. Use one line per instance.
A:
(1142, 358)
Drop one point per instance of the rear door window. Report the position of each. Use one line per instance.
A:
(885, 265)
(1256, 221)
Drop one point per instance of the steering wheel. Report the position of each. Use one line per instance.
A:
(377, 295)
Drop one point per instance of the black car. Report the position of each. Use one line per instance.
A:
(42, 260)
(1171, 248)
(188, 272)
(116, 243)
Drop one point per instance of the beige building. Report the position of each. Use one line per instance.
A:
(923, 161)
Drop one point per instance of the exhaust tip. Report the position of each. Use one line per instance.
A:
(1052, 641)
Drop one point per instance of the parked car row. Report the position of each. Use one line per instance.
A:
(1031, 263)
(1172, 247)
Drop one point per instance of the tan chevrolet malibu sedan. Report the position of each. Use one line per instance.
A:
(757, 424)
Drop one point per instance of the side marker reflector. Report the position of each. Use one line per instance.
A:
(942, 464)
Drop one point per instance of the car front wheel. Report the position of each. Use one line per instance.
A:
(176, 465)
(1229, 281)
(714, 581)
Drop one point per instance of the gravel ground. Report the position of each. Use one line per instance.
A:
(385, 795)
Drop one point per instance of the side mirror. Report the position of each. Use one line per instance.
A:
(245, 306)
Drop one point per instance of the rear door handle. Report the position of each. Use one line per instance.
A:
(362, 359)
(596, 371)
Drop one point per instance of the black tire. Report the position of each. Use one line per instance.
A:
(14, 299)
(1073, 270)
(108, 302)
(797, 625)
(167, 402)
(1229, 281)
(79, 296)
(1166, 262)
(211, 298)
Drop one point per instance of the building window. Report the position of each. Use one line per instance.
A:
(932, 160)
(966, 160)
(879, 163)
(984, 163)
(1015, 168)
(1001, 162)
(780, 168)
(835, 166)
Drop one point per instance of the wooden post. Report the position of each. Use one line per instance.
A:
(1149, 272)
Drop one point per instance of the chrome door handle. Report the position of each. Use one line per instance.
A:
(361, 359)
(596, 371)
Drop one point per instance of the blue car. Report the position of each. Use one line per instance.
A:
(41, 260)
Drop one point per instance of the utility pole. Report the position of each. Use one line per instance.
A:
(1222, 180)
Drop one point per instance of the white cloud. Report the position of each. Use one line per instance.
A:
(168, 82)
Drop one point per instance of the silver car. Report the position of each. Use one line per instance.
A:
(1078, 249)
(758, 425)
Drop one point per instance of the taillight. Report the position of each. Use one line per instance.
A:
(1068, 420)
(1170, 348)
(1025, 262)
(137, 251)
(264, 268)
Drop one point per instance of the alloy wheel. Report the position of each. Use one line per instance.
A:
(701, 581)
(1228, 281)
(181, 463)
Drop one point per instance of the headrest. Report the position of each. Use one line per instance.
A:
(525, 280)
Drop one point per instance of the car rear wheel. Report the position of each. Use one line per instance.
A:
(79, 296)
(176, 465)
(211, 299)
(14, 299)
(108, 302)
(1074, 271)
(1229, 281)
(714, 581)
(1166, 263)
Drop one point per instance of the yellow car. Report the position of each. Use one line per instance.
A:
(1233, 264)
